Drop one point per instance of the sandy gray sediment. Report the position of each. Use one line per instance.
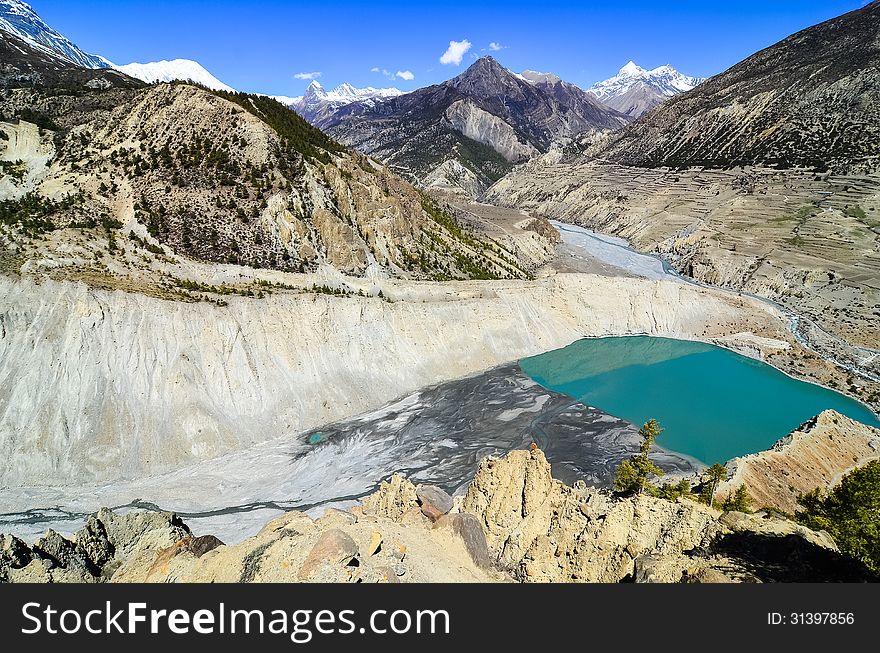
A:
(437, 435)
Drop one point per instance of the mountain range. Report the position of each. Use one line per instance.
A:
(213, 175)
(318, 105)
(466, 133)
(635, 91)
(458, 136)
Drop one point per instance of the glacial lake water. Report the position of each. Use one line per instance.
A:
(713, 403)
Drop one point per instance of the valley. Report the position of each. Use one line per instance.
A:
(239, 307)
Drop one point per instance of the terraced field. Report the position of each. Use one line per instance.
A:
(809, 241)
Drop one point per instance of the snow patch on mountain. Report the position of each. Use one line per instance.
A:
(533, 77)
(176, 70)
(19, 19)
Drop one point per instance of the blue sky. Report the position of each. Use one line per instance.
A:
(262, 45)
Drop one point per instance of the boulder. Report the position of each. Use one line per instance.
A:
(334, 548)
(468, 528)
(14, 554)
(375, 543)
(433, 501)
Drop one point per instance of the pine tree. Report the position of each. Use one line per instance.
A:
(738, 501)
(716, 474)
(632, 475)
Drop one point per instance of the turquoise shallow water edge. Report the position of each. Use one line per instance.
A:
(714, 404)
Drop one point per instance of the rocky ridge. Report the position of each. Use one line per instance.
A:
(486, 120)
(515, 523)
(816, 455)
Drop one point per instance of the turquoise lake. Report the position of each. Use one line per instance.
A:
(714, 404)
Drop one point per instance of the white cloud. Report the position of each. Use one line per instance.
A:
(400, 74)
(313, 75)
(455, 52)
(495, 47)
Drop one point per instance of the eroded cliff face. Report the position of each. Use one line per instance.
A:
(490, 130)
(100, 385)
(816, 455)
(515, 523)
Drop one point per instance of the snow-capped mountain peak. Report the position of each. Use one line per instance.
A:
(19, 18)
(630, 69)
(317, 102)
(634, 90)
(169, 71)
(665, 79)
(345, 93)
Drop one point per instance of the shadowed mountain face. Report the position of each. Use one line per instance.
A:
(24, 65)
(471, 130)
(19, 18)
(811, 100)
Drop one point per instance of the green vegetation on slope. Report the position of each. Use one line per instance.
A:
(850, 513)
(32, 213)
(297, 134)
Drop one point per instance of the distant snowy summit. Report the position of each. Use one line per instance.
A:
(19, 19)
(635, 91)
(183, 70)
(318, 104)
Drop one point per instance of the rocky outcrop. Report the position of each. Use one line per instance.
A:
(814, 456)
(515, 523)
(96, 551)
(543, 531)
(490, 130)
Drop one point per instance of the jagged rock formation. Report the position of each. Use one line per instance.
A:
(96, 551)
(634, 91)
(515, 523)
(817, 455)
(485, 120)
(811, 100)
